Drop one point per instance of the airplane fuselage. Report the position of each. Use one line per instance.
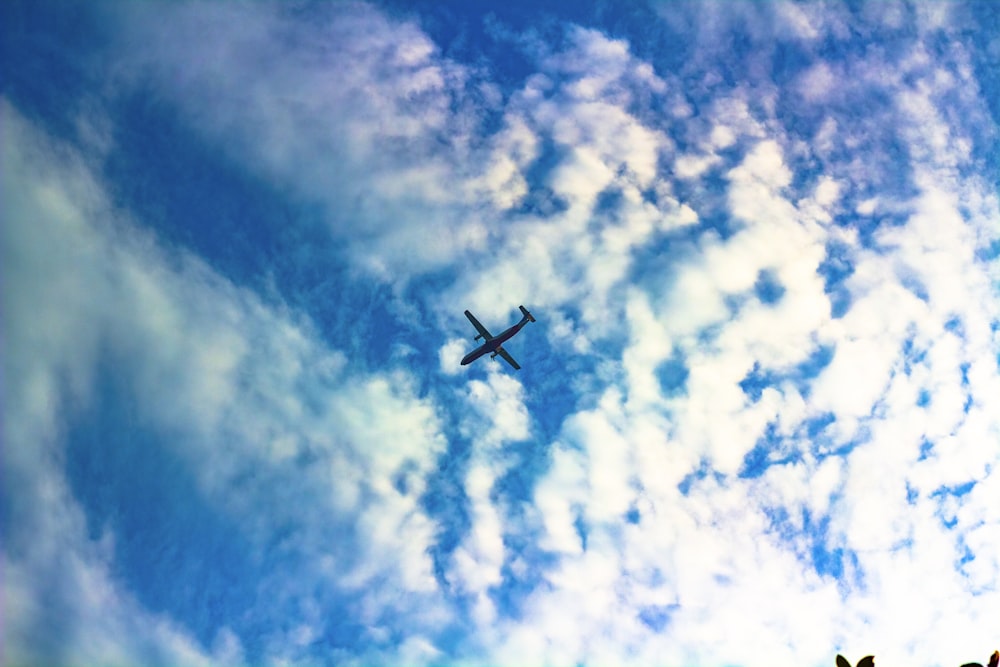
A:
(494, 343)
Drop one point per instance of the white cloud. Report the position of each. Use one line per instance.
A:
(54, 259)
(381, 144)
(514, 148)
(500, 414)
(693, 166)
(797, 20)
(477, 561)
(653, 540)
(450, 356)
(392, 143)
(818, 82)
(716, 552)
(243, 387)
(722, 137)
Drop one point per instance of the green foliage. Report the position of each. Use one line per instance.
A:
(869, 661)
(994, 661)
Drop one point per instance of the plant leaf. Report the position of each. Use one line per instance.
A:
(867, 661)
(842, 661)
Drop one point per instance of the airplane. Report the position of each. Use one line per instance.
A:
(494, 344)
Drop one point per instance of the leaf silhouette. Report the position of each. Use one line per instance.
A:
(867, 661)
(842, 661)
(995, 659)
(973, 664)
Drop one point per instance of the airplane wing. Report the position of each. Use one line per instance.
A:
(509, 359)
(479, 327)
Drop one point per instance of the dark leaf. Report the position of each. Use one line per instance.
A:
(842, 661)
(867, 661)
(995, 659)
(972, 664)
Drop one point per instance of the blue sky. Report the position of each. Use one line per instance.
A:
(758, 421)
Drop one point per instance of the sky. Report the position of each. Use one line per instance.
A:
(758, 420)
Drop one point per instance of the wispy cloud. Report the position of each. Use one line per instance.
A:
(763, 402)
(246, 398)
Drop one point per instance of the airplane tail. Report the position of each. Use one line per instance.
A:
(524, 311)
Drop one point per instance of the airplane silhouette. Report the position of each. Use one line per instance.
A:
(494, 344)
